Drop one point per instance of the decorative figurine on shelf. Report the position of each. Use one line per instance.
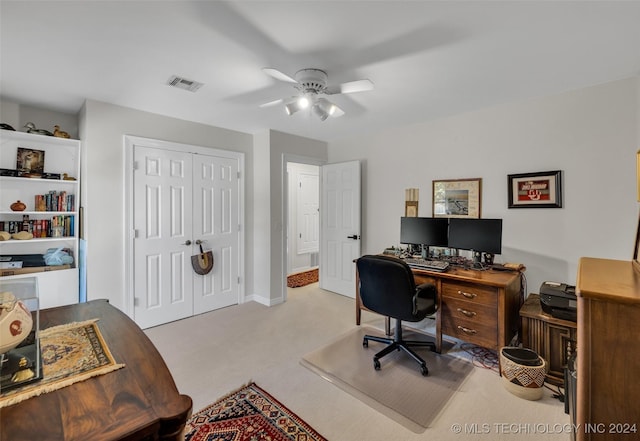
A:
(15, 321)
(31, 128)
(18, 206)
(66, 177)
(22, 235)
(59, 133)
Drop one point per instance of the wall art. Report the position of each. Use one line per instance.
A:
(535, 190)
(457, 198)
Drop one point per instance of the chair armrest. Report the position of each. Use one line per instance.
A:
(424, 291)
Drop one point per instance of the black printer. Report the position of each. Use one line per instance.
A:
(559, 300)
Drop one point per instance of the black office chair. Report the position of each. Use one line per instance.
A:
(388, 288)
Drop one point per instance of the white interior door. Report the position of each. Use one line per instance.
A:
(216, 224)
(340, 226)
(162, 223)
(182, 196)
(308, 222)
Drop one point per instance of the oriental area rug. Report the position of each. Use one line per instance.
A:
(398, 390)
(302, 278)
(71, 353)
(249, 414)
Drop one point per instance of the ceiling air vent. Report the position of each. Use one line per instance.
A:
(183, 83)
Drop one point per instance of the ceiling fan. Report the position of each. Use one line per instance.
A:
(311, 84)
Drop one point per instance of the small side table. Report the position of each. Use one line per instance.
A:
(552, 338)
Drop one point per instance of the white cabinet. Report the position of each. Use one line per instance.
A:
(60, 156)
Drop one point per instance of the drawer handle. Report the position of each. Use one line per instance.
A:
(469, 295)
(467, 330)
(467, 313)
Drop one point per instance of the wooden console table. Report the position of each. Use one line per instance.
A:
(552, 338)
(479, 307)
(137, 402)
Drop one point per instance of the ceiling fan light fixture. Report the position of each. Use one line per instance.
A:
(297, 104)
(303, 102)
(311, 83)
(320, 112)
(292, 107)
(324, 108)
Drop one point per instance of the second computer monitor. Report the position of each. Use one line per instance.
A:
(429, 231)
(481, 235)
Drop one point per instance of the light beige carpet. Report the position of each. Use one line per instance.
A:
(398, 389)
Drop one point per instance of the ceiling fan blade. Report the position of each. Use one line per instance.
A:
(272, 103)
(351, 87)
(275, 73)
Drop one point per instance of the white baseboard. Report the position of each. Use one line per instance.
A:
(263, 300)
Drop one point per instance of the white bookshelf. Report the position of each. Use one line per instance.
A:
(61, 156)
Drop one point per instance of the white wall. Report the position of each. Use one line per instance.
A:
(102, 127)
(591, 134)
(10, 114)
(261, 252)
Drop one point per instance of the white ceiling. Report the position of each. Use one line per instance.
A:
(427, 59)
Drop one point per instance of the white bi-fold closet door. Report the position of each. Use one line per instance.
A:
(181, 200)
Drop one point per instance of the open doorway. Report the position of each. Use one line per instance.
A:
(339, 223)
(303, 223)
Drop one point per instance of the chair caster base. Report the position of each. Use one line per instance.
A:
(397, 346)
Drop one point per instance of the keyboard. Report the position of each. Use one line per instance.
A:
(429, 265)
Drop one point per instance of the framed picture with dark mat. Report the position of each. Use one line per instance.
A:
(29, 161)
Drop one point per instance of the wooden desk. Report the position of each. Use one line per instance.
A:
(480, 307)
(139, 401)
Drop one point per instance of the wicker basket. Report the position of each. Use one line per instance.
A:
(523, 372)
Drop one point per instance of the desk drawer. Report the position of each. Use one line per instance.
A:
(470, 320)
(473, 331)
(485, 295)
(473, 312)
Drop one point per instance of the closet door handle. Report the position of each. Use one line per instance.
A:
(187, 243)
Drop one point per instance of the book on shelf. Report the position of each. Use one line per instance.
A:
(55, 201)
(42, 228)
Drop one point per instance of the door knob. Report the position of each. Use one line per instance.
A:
(187, 243)
(354, 237)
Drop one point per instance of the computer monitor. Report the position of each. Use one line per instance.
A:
(427, 231)
(479, 235)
